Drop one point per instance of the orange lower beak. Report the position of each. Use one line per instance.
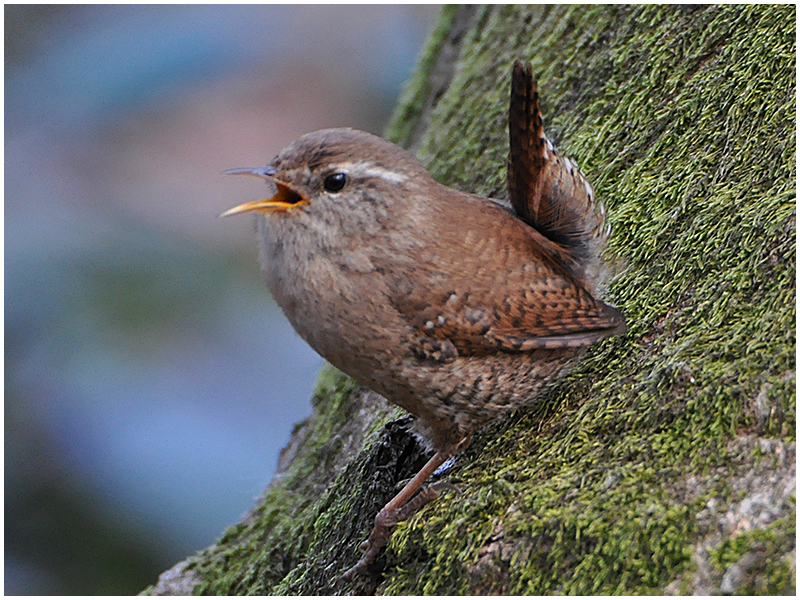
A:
(285, 199)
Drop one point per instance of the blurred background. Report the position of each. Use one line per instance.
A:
(150, 381)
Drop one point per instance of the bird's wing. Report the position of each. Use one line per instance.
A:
(505, 293)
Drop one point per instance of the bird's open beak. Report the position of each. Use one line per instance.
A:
(285, 199)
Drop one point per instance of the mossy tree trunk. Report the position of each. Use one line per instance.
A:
(666, 462)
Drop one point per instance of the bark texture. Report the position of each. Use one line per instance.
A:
(666, 462)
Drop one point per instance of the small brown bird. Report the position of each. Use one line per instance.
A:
(457, 308)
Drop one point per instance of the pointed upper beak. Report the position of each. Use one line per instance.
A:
(285, 199)
(260, 172)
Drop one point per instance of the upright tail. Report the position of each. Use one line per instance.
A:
(547, 190)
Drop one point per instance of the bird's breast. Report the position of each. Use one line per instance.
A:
(331, 295)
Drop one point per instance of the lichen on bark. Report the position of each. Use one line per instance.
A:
(666, 461)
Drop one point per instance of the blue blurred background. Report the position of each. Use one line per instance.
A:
(150, 381)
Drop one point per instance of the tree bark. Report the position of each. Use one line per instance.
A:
(666, 462)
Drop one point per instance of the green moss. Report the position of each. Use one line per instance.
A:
(767, 551)
(683, 119)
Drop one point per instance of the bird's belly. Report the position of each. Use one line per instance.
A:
(455, 398)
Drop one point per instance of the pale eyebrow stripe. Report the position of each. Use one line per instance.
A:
(368, 169)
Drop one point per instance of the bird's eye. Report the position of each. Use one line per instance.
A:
(335, 182)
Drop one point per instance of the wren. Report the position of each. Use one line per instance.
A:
(456, 307)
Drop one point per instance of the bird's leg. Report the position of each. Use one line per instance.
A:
(403, 505)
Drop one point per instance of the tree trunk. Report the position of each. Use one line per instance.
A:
(666, 462)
